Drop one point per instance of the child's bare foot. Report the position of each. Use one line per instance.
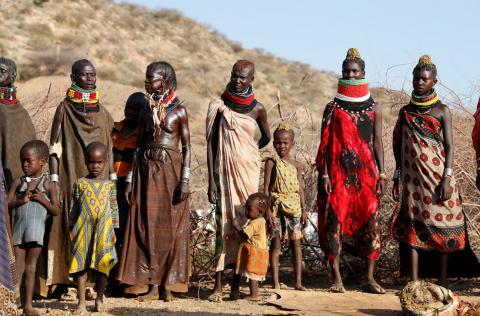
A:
(98, 305)
(276, 286)
(81, 310)
(254, 298)
(337, 288)
(30, 311)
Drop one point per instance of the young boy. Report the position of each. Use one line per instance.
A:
(93, 217)
(33, 197)
(252, 258)
(125, 139)
(283, 183)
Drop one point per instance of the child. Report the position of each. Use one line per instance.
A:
(125, 139)
(93, 217)
(283, 183)
(33, 197)
(253, 252)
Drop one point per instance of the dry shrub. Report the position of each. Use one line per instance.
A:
(48, 62)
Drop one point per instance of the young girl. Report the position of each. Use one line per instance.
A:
(283, 183)
(429, 217)
(33, 197)
(93, 217)
(253, 253)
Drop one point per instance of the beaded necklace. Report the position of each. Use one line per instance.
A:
(76, 94)
(8, 95)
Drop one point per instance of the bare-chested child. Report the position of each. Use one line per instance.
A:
(283, 183)
(125, 140)
(93, 217)
(34, 198)
(252, 260)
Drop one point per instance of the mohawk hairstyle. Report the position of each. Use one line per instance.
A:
(353, 54)
(284, 127)
(425, 63)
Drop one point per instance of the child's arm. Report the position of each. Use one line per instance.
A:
(239, 229)
(13, 202)
(268, 179)
(52, 206)
(299, 166)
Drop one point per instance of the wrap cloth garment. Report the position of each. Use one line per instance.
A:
(350, 210)
(285, 191)
(422, 220)
(155, 247)
(8, 304)
(16, 128)
(77, 131)
(236, 172)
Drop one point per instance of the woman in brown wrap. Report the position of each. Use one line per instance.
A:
(156, 241)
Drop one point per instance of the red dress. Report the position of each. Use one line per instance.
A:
(350, 210)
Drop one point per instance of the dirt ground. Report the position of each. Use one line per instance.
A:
(316, 301)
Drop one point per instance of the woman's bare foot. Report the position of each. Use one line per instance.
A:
(166, 296)
(152, 295)
(235, 295)
(337, 288)
(373, 287)
(300, 288)
(80, 310)
(254, 298)
(30, 311)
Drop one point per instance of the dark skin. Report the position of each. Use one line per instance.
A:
(96, 160)
(132, 111)
(423, 83)
(353, 71)
(252, 211)
(283, 142)
(174, 131)
(85, 78)
(241, 78)
(7, 76)
(26, 255)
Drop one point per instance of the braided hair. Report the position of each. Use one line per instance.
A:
(11, 65)
(167, 71)
(425, 63)
(284, 127)
(353, 54)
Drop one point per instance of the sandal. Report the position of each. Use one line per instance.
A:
(337, 288)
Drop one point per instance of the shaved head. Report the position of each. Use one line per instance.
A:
(97, 148)
(78, 65)
(244, 65)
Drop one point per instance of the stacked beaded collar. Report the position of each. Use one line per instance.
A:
(425, 101)
(353, 95)
(8, 95)
(242, 102)
(76, 94)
